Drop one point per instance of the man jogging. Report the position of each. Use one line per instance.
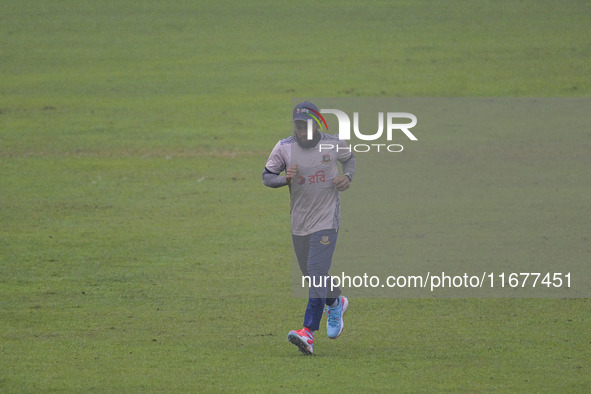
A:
(312, 174)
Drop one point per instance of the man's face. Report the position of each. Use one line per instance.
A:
(300, 130)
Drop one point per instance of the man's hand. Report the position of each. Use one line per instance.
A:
(290, 173)
(341, 183)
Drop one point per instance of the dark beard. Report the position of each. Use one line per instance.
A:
(306, 144)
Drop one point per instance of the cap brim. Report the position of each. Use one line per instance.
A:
(305, 117)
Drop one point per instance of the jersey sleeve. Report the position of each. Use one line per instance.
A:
(276, 162)
(344, 152)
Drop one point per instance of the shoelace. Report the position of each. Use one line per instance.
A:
(332, 318)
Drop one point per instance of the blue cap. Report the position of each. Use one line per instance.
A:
(303, 110)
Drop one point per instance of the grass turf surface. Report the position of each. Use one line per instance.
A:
(139, 250)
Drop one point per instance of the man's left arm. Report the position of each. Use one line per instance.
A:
(349, 164)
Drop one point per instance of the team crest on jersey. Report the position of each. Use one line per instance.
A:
(325, 240)
(325, 159)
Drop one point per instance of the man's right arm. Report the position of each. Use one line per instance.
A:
(275, 165)
(271, 179)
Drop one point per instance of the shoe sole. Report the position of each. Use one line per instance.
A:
(345, 306)
(296, 340)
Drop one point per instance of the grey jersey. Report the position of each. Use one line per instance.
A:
(315, 203)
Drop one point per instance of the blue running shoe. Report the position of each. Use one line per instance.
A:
(335, 324)
(303, 339)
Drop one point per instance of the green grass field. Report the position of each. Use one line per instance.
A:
(139, 250)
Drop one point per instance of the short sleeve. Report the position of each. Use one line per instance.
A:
(344, 151)
(276, 162)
